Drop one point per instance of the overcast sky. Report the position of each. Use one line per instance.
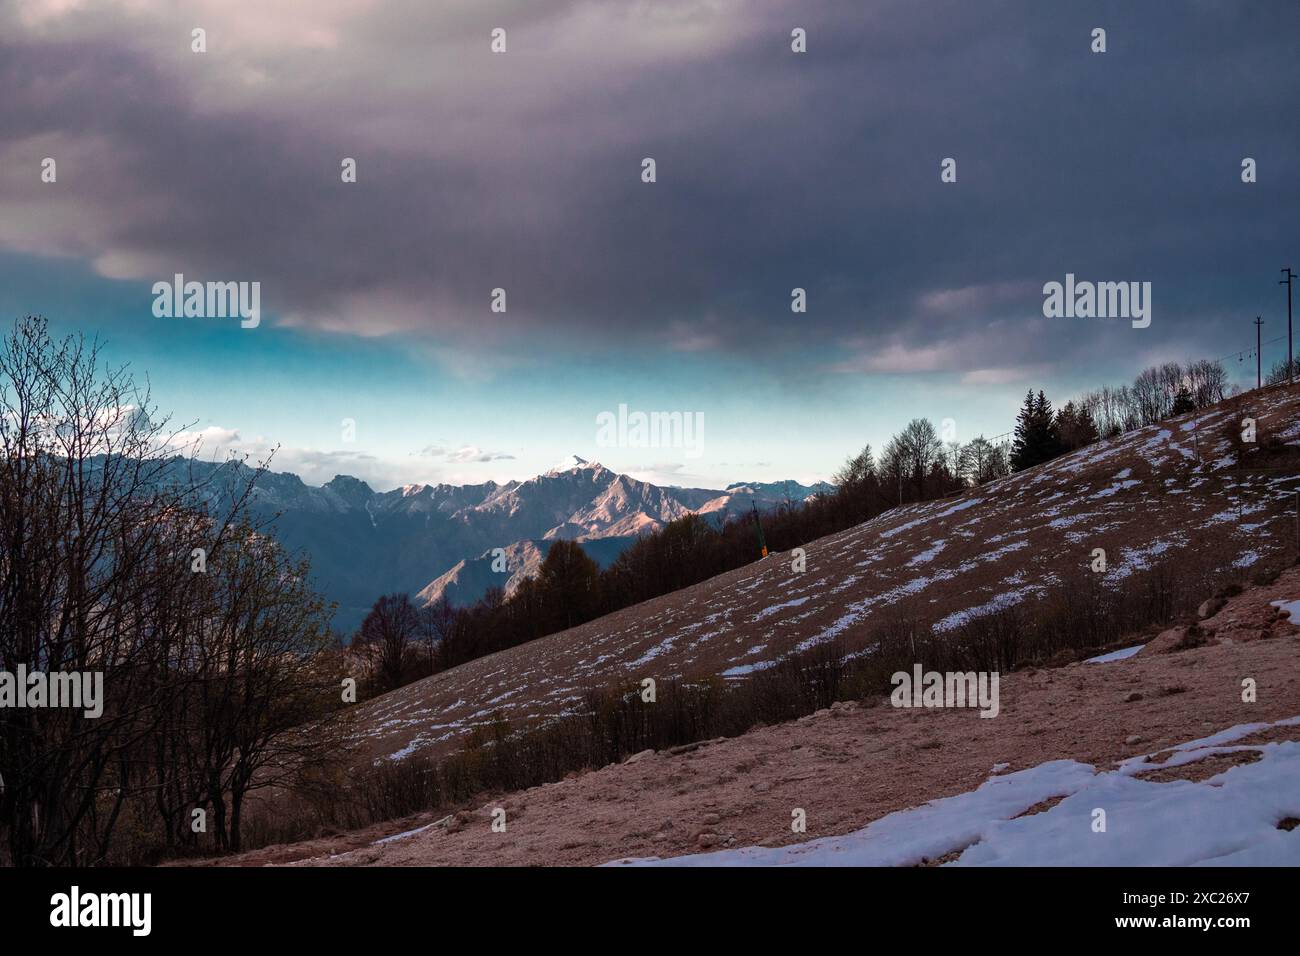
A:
(522, 170)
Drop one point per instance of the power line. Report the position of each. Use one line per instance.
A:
(1245, 352)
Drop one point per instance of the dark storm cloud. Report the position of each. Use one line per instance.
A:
(775, 170)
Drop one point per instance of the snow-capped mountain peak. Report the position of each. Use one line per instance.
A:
(575, 462)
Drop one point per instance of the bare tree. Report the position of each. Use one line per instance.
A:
(921, 448)
(437, 619)
(260, 679)
(1207, 380)
(1149, 396)
(982, 461)
(106, 543)
(387, 636)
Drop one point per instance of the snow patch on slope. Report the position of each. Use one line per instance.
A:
(1230, 819)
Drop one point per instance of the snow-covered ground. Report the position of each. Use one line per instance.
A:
(1229, 819)
(1119, 655)
(403, 835)
(1292, 608)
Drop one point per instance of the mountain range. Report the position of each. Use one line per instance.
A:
(435, 541)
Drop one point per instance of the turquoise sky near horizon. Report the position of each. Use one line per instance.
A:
(255, 388)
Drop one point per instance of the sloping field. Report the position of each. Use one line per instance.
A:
(1017, 789)
(1171, 493)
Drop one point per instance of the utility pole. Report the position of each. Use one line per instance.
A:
(1258, 368)
(1290, 353)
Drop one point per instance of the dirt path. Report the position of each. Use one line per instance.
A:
(857, 762)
